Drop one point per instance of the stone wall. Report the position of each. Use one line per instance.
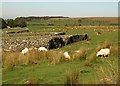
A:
(48, 41)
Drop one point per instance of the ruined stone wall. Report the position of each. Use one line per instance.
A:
(49, 41)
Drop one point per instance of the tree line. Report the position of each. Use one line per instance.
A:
(12, 23)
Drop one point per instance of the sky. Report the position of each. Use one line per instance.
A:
(71, 9)
(60, 0)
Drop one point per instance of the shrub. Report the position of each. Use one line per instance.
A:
(2, 24)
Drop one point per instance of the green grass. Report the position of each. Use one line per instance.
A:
(51, 74)
(43, 72)
(46, 73)
(68, 22)
(55, 22)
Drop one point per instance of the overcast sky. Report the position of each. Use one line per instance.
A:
(71, 9)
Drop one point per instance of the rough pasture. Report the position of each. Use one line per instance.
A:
(44, 72)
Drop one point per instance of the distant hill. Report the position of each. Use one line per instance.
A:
(69, 21)
(39, 18)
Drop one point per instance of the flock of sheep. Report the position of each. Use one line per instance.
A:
(42, 49)
(44, 43)
(101, 53)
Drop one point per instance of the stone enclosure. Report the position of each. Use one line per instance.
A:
(17, 41)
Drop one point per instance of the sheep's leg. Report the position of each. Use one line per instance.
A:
(106, 55)
(99, 55)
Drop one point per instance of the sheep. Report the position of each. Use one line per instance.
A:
(24, 51)
(42, 49)
(66, 55)
(55, 33)
(103, 52)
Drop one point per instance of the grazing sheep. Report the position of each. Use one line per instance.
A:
(66, 55)
(42, 49)
(24, 51)
(55, 33)
(103, 52)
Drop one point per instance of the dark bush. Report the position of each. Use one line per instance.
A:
(2, 23)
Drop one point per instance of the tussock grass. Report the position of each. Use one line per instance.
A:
(91, 58)
(55, 57)
(33, 56)
(42, 55)
(10, 59)
(72, 77)
(114, 50)
(0, 57)
(109, 75)
(105, 44)
(23, 59)
(80, 55)
(100, 46)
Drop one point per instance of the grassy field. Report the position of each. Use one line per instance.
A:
(45, 73)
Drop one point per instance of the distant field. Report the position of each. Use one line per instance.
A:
(99, 21)
(45, 73)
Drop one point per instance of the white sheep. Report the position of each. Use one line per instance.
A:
(66, 55)
(24, 51)
(55, 33)
(103, 52)
(42, 49)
